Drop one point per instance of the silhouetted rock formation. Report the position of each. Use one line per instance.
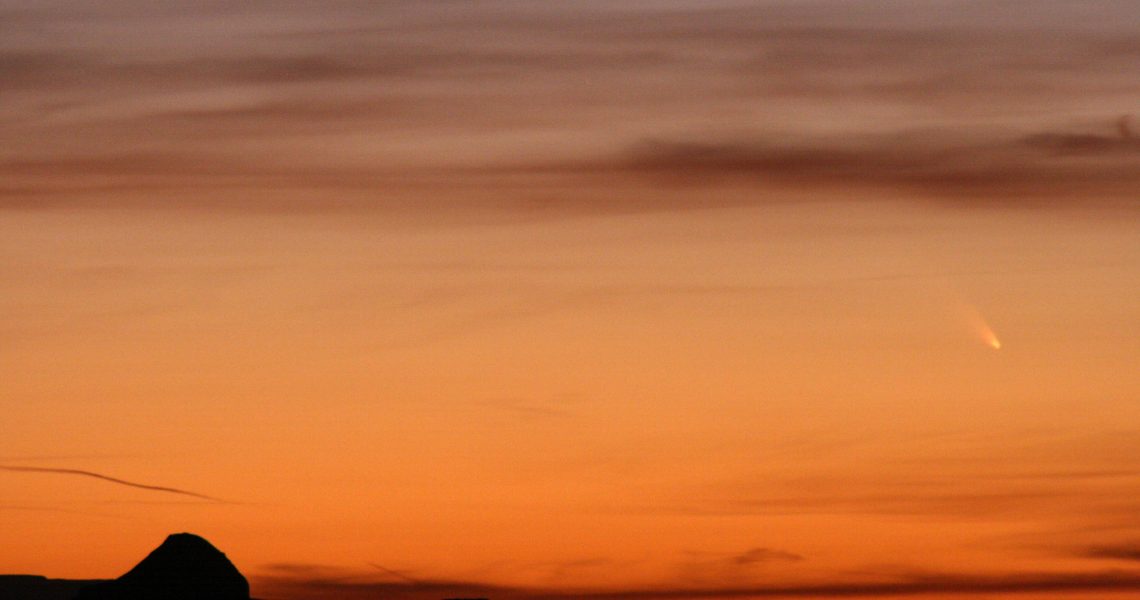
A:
(36, 587)
(184, 567)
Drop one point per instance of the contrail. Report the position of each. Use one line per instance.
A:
(141, 486)
(394, 573)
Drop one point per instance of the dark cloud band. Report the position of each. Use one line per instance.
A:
(912, 585)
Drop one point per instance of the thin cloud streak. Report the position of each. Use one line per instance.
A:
(115, 480)
(394, 573)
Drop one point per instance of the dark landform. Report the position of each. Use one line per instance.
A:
(37, 587)
(184, 567)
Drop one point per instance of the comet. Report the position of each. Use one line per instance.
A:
(980, 327)
(992, 339)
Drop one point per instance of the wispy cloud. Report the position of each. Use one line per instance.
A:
(115, 480)
(401, 575)
(528, 409)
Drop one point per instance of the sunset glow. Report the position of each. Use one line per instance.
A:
(612, 300)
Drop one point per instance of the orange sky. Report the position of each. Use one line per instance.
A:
(682, 299)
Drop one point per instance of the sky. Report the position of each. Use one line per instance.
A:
(650, 299)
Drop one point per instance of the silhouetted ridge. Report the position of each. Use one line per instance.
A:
(37, 587)
(184, 567)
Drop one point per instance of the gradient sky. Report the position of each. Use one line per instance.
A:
(619, 299)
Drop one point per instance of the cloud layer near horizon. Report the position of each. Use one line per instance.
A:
(300, 582)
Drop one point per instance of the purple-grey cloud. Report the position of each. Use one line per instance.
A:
(102, 104)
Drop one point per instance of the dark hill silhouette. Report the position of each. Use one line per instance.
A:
(36, 587)
(184, 567)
